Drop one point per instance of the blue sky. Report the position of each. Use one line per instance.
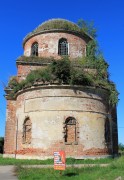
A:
(18, 18)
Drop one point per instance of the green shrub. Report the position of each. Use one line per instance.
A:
(81, 78)
(61, 70)
(73, 73)
(13, 82)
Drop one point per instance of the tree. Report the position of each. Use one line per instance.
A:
(87, 27)
(92, 47)
(121, 146)
(1, 144)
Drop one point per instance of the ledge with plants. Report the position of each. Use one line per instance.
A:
(91, 70)
(34, 60)
(64, 71)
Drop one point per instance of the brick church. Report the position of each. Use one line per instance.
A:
(44, 117)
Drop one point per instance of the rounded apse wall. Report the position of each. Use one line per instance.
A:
(48, 43)
(64, 117)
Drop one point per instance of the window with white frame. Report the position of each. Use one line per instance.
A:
(63, 47)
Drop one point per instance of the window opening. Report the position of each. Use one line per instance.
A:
(70, 130)
(27, 131)
(63, 47)
(34, 49)
(107, 131)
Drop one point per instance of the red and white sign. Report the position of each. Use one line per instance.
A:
(59, 160)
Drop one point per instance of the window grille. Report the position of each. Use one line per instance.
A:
(34, 49)
(63, 47)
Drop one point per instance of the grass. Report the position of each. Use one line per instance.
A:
(111, 172)
(13, 161)
(71, 173)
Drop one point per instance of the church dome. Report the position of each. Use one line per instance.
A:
(56, 25)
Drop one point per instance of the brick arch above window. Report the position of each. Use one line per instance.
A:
(71, 131)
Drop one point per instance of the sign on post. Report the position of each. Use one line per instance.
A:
(59, 160)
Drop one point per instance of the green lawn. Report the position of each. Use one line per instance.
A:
(116, 169)
(12, 161)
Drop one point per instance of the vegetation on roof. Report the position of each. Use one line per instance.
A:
(57, 24)
(35, 59)
(65, 72)
(82, 27)
(91, 70)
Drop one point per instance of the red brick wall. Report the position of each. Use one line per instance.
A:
(48, 44)
(24, 70)
(10, 134)
(70, 150)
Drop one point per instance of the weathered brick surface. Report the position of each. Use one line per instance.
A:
(24, 70)
(75, 150)
(48, 45)
(49, 106)
(10, 135)
(47, 112)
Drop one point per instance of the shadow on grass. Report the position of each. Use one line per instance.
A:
(71, 174)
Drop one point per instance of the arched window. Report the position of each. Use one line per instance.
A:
(63, 47)
(34, 49)
(70, 130)
(107, 131)
(27, 131)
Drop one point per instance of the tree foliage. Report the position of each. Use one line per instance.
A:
(121, 146)
(87, 27)
(1, 144)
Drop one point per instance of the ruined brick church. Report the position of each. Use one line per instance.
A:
(47, 117)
